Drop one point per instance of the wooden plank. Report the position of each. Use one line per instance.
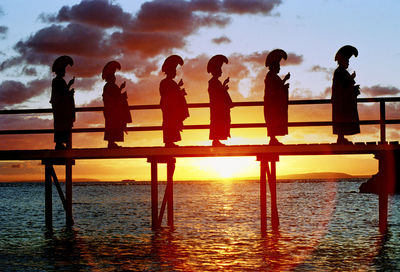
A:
(196, 151)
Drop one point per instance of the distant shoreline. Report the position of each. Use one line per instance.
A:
(309, 177)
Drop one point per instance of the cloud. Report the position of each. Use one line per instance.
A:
(76, 39)
(14, 92)
(96, 31)
(318, 68)
(377, 90)
(222, 39)
(250, 6)
(101, 13)
(3, 32)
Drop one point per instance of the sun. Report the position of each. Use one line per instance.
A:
(228, 167)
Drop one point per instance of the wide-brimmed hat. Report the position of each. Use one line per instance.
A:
(346, 52)
(216, 62)
(171, 62)
(275, 56)
(110, 68)
(62, 62)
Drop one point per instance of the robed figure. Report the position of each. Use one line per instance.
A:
(62, 103)
(276, 97)
(220, 102)
(344, 97)
(116, 109)
(173, 103)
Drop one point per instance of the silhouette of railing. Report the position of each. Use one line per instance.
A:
(382, 122)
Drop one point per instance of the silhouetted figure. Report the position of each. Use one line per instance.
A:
(62, 102)
(344, 97)
(173, 103)
(276, 96)
(220, 102)
(116, 108)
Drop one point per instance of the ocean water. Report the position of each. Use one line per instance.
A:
(324, 226)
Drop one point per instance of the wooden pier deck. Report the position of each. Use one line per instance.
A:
(200, 151)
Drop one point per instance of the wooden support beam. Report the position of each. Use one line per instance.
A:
(154, 196)
(170, 192)
(68, 192)
(272, 190)
(383, 212)
(265, 169)
(263, 197)
(58, 187)
(48, 198)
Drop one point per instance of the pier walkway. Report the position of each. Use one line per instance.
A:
(267, 155)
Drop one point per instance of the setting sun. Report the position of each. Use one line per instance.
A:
(228, 167)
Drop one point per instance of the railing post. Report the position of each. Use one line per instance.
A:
(382, 121)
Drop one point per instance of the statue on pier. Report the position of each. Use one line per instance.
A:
(116, 108)
(173, 103)
(220, 102)
(62, 102)
(344, 97)
(276, 97)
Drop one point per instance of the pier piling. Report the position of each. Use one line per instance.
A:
(268, 169)
(50, 176)
(168, 199)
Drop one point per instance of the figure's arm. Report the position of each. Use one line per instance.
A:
(286, 78)
(225, 84)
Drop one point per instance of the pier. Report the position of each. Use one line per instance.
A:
(267, 155)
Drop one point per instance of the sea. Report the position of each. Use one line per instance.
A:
(325, 225)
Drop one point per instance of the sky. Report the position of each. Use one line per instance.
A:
(141, 34)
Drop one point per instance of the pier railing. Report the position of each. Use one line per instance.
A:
(382, 121)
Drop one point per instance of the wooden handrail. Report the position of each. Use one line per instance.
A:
(382, 122)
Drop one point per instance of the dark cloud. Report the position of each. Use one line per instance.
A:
(258, 58)
(222, 39)
(317, 68)
(250, 6)
(377, 90)
(10, 122)
(76, 39)
(29, 71)
(101, 13)
(149, 44)
(3, 32)
(14, 92)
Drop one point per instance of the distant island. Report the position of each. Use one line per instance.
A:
(322, 175)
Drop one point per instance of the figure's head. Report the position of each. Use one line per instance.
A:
(342, 61)
(344, 54)
(214, 65)
(109, 70)
(275, 67)
(274, 58)
(170, 64)
(110, 78)
(60, 64)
